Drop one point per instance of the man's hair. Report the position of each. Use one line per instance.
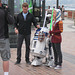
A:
(62, 5)
(25, 5)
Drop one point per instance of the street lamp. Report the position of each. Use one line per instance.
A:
(43, 12)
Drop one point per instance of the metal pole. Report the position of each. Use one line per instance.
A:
(57, 3)
(43, 12)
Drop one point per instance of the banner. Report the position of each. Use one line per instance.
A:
(30, 6)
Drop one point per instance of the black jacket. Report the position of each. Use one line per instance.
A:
(24, 26)
(5, 19)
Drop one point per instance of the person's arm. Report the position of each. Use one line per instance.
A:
(35, 22)
(16, 22)
(58, 31)
(8, 17)
(63, 9)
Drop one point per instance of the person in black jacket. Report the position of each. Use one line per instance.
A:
(23, 29)
(5, 19)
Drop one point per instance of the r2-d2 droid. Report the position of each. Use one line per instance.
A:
(38, 47)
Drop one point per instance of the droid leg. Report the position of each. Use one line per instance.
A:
(37, 61)
(50, 56)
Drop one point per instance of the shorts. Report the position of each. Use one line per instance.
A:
(5, 49)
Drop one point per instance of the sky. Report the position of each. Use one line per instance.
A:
(66, 3)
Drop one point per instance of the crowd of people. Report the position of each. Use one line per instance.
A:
(22, 25)
(61, 8)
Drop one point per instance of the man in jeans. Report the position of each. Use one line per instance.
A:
(4, 41)
(23, 29)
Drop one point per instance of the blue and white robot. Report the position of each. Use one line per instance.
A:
(39, 46)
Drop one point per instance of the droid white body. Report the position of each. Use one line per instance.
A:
(38, 49)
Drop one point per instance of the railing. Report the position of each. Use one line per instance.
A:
(70, 14)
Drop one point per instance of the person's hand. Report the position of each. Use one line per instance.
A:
(16, 31)
(6, 6)
(35, 29)
(38, 26)
(50, 31)
(48, 36)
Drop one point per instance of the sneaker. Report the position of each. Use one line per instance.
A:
(58, 67)
(52, 66)
(17, 62)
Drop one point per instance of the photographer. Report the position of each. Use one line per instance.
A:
(5, 19)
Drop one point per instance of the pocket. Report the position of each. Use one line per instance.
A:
(2, 43)
(5, 55)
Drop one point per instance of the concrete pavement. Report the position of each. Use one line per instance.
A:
(68, 49)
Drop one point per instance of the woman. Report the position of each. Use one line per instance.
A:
(56, 39)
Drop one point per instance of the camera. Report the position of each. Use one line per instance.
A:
(5, 6)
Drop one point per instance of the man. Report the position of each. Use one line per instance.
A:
(59, 8)
(4, 41)
(49, 11)
(23, 29)
(62, 12)
(48, 16)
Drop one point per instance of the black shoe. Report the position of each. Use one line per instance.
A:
(28, 62)
(17, 62)
(62, 19)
